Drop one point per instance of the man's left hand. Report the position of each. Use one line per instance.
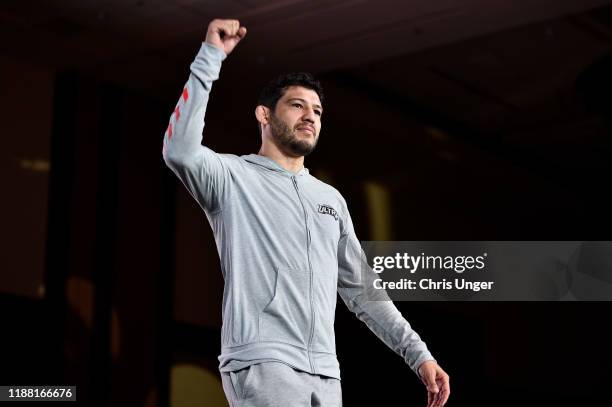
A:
(437, 382)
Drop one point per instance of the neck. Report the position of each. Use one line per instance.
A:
(292, 164)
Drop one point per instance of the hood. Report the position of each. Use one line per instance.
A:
(272, 165)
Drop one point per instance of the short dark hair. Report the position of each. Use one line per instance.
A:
(275, 89)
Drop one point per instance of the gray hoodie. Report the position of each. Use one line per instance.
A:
(286, 244)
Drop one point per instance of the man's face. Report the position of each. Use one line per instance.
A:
(296, 121)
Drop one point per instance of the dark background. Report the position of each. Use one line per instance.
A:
(444, 120)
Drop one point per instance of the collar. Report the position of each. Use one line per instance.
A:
(270, 164)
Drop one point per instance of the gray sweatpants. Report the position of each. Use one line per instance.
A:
(272, 384)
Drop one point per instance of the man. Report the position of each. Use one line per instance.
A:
(286, 243)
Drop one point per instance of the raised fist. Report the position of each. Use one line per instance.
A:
(225, 34)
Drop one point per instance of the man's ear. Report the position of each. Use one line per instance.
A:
(262, 114)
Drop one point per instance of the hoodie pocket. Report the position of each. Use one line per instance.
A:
(286, 318)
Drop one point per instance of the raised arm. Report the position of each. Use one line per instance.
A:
(200, 169)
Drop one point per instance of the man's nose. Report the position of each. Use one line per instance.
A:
(309, 116)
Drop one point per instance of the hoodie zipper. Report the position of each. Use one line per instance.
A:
(308, 242)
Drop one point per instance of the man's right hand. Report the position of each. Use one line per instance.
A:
(225, 34)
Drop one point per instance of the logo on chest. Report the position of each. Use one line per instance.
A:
(327, 210)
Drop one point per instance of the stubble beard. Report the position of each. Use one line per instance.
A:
(287, 141)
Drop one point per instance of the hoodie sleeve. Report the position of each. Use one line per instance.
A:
(372, 306)
(201, 170)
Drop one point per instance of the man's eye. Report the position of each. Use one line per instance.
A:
(318, 112)
(297, 105)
